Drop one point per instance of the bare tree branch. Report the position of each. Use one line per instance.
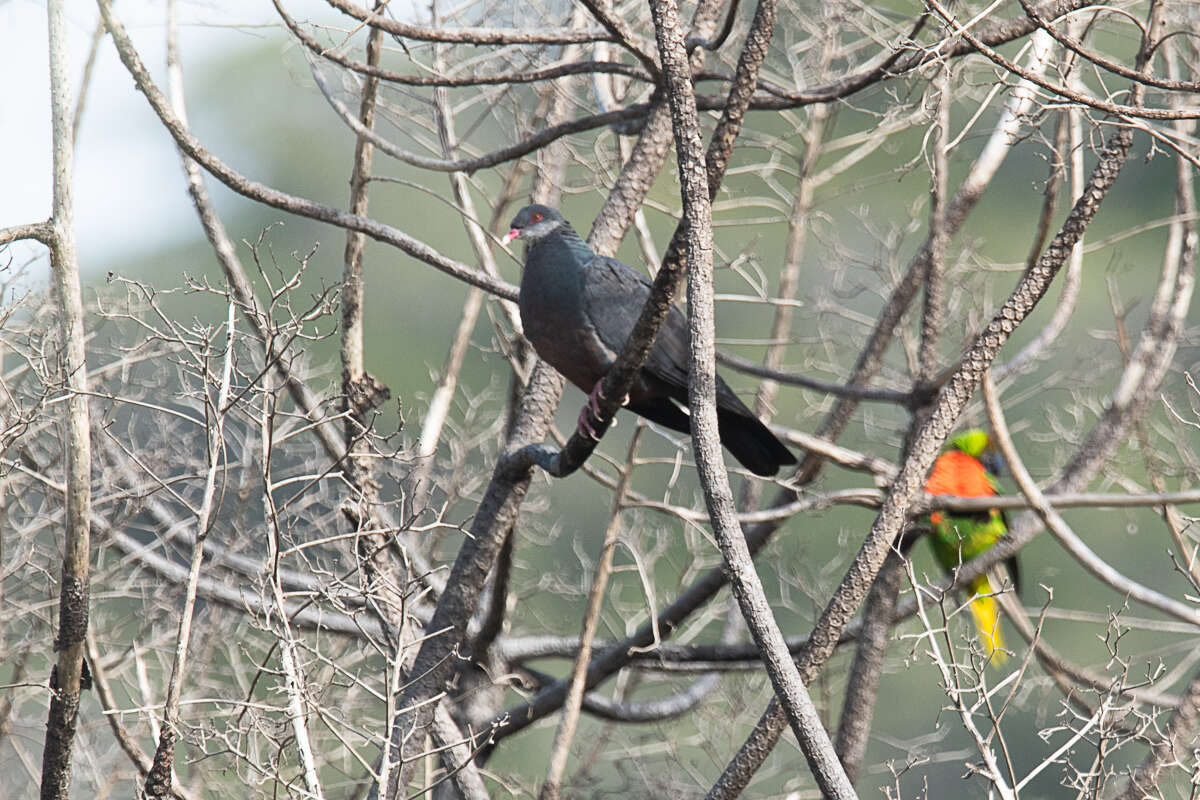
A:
(949, 405)
(69, 677)
(273, 197)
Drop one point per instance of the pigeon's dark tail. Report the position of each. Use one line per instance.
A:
(752, 443)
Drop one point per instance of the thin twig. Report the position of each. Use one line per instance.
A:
(159, 779)
(949, 672)
(293, 681)
(552, 788)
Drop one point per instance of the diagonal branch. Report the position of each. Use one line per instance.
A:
(900, 500)
(511, 476)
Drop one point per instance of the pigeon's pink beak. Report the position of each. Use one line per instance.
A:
(508, 237)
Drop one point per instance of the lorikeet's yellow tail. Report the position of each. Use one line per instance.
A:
(987, 619)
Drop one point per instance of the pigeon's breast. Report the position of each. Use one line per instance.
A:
(554, 322)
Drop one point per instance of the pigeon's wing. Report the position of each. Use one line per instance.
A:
(613, 297)
(614, 294)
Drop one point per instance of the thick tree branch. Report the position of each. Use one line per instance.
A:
(68, 678)
(697, 219)
(39, 231)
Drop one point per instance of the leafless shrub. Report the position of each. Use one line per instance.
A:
(303, 581)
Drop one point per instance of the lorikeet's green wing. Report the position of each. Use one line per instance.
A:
(958, 538)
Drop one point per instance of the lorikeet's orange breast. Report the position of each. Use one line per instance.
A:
(959, 474)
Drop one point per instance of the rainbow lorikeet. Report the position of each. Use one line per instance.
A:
(959, 537)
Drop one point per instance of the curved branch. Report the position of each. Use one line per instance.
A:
(658, 710)
(695, 41)
(1062, 532)
(1117, 109)
(491, 79)
(273, 197)
(39, 231)
(1092, 57)
(663, 656)
(472, 36)
(513, 151)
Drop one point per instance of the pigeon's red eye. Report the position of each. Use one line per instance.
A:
(537, 217)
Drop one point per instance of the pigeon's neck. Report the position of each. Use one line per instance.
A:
(565, 247)
(555, 265)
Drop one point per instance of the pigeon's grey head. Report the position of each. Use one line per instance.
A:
(533, 223)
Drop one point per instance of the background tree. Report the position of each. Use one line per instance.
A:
(319, 568)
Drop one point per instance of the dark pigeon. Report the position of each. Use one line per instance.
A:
(578, 309)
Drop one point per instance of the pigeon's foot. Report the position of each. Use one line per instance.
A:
(597, 394)
(584, 425)
(593, 406)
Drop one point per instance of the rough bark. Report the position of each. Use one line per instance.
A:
(69, 676)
